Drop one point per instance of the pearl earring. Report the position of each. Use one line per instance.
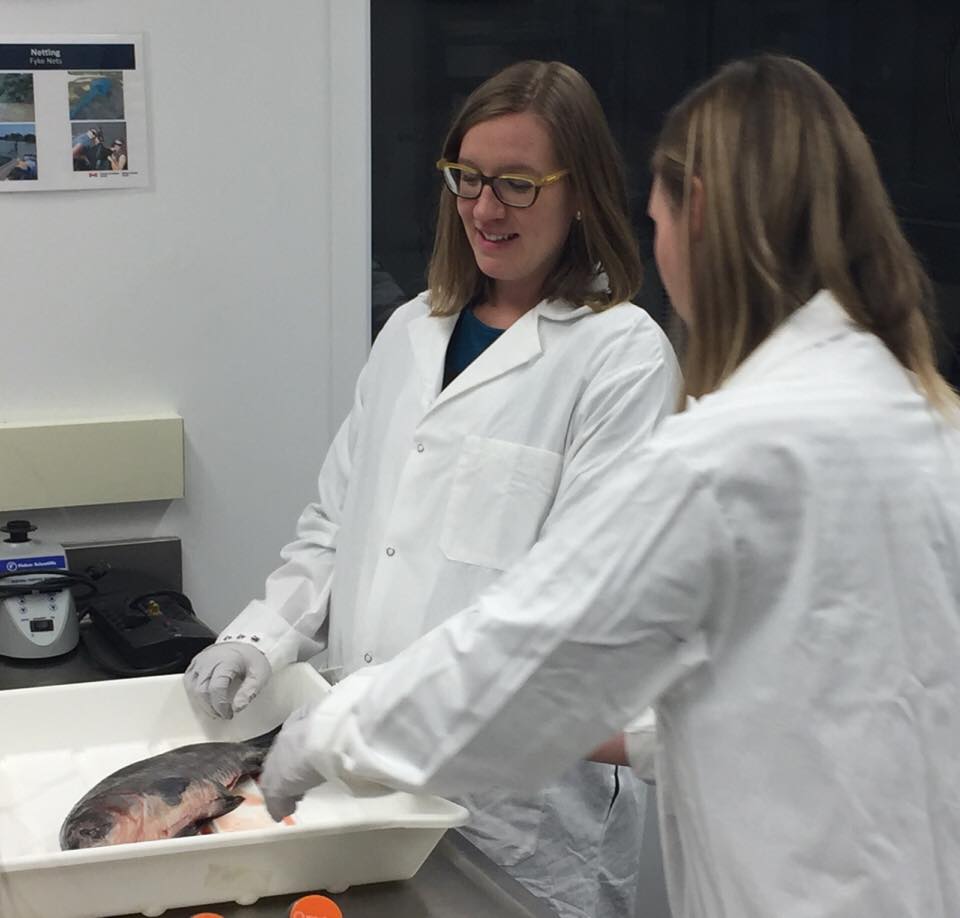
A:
(579, 216)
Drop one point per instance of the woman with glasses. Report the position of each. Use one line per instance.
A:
(521, 373)
(778, 568)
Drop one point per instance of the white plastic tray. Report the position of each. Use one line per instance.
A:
(56, 742)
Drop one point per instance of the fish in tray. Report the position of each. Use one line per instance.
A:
(169, 795)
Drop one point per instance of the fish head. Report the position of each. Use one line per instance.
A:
(87, 829)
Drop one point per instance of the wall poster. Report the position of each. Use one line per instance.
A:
(72, 113)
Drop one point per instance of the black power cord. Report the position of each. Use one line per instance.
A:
(50, 581)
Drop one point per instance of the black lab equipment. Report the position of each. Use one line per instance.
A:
(135, 626)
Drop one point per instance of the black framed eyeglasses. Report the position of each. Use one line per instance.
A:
(511, 189)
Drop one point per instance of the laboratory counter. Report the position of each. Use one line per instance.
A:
(456, 879)
(76, 666)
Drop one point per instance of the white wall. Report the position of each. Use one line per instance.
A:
(234, 291)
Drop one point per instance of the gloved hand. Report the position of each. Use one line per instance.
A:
(224, 678)
(287, 773)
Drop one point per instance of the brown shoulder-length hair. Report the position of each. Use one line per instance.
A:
(602, 240)
(793, 203)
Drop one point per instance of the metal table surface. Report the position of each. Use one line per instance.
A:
(456, 879)
(76, 666)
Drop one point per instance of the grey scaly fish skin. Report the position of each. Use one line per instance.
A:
(165, 796)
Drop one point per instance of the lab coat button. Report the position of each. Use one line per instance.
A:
(391, 552)
(368, 658)
(419, 447)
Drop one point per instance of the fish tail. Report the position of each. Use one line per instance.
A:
(264, 740)
(255, 751)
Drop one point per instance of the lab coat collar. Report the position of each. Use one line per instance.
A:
(819, 320)
(560, 310)
(518, 345)
(429, 337)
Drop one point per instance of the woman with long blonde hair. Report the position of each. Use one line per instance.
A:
(777, 570)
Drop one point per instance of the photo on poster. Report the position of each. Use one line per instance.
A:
(99, 146)
(18, 152)
(16, 97)
(96, 94)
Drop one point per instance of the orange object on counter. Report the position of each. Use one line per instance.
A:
(315, 907)
(207, 915)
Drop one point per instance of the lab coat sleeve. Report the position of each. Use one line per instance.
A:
(637, 387)
(289, 623)
(606, 613)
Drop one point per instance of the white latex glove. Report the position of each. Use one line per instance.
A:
(287, 772)
(224, 678)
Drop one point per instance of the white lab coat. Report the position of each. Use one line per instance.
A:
(780, 568)
(427, 496)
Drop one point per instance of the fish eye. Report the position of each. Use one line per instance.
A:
(90, 829)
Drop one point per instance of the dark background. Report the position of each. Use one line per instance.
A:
(896, 64)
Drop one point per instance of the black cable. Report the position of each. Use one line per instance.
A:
(51, 581)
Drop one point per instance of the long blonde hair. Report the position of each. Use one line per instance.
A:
(793, 202)
(603, 238)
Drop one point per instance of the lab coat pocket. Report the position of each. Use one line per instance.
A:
(500, 496)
